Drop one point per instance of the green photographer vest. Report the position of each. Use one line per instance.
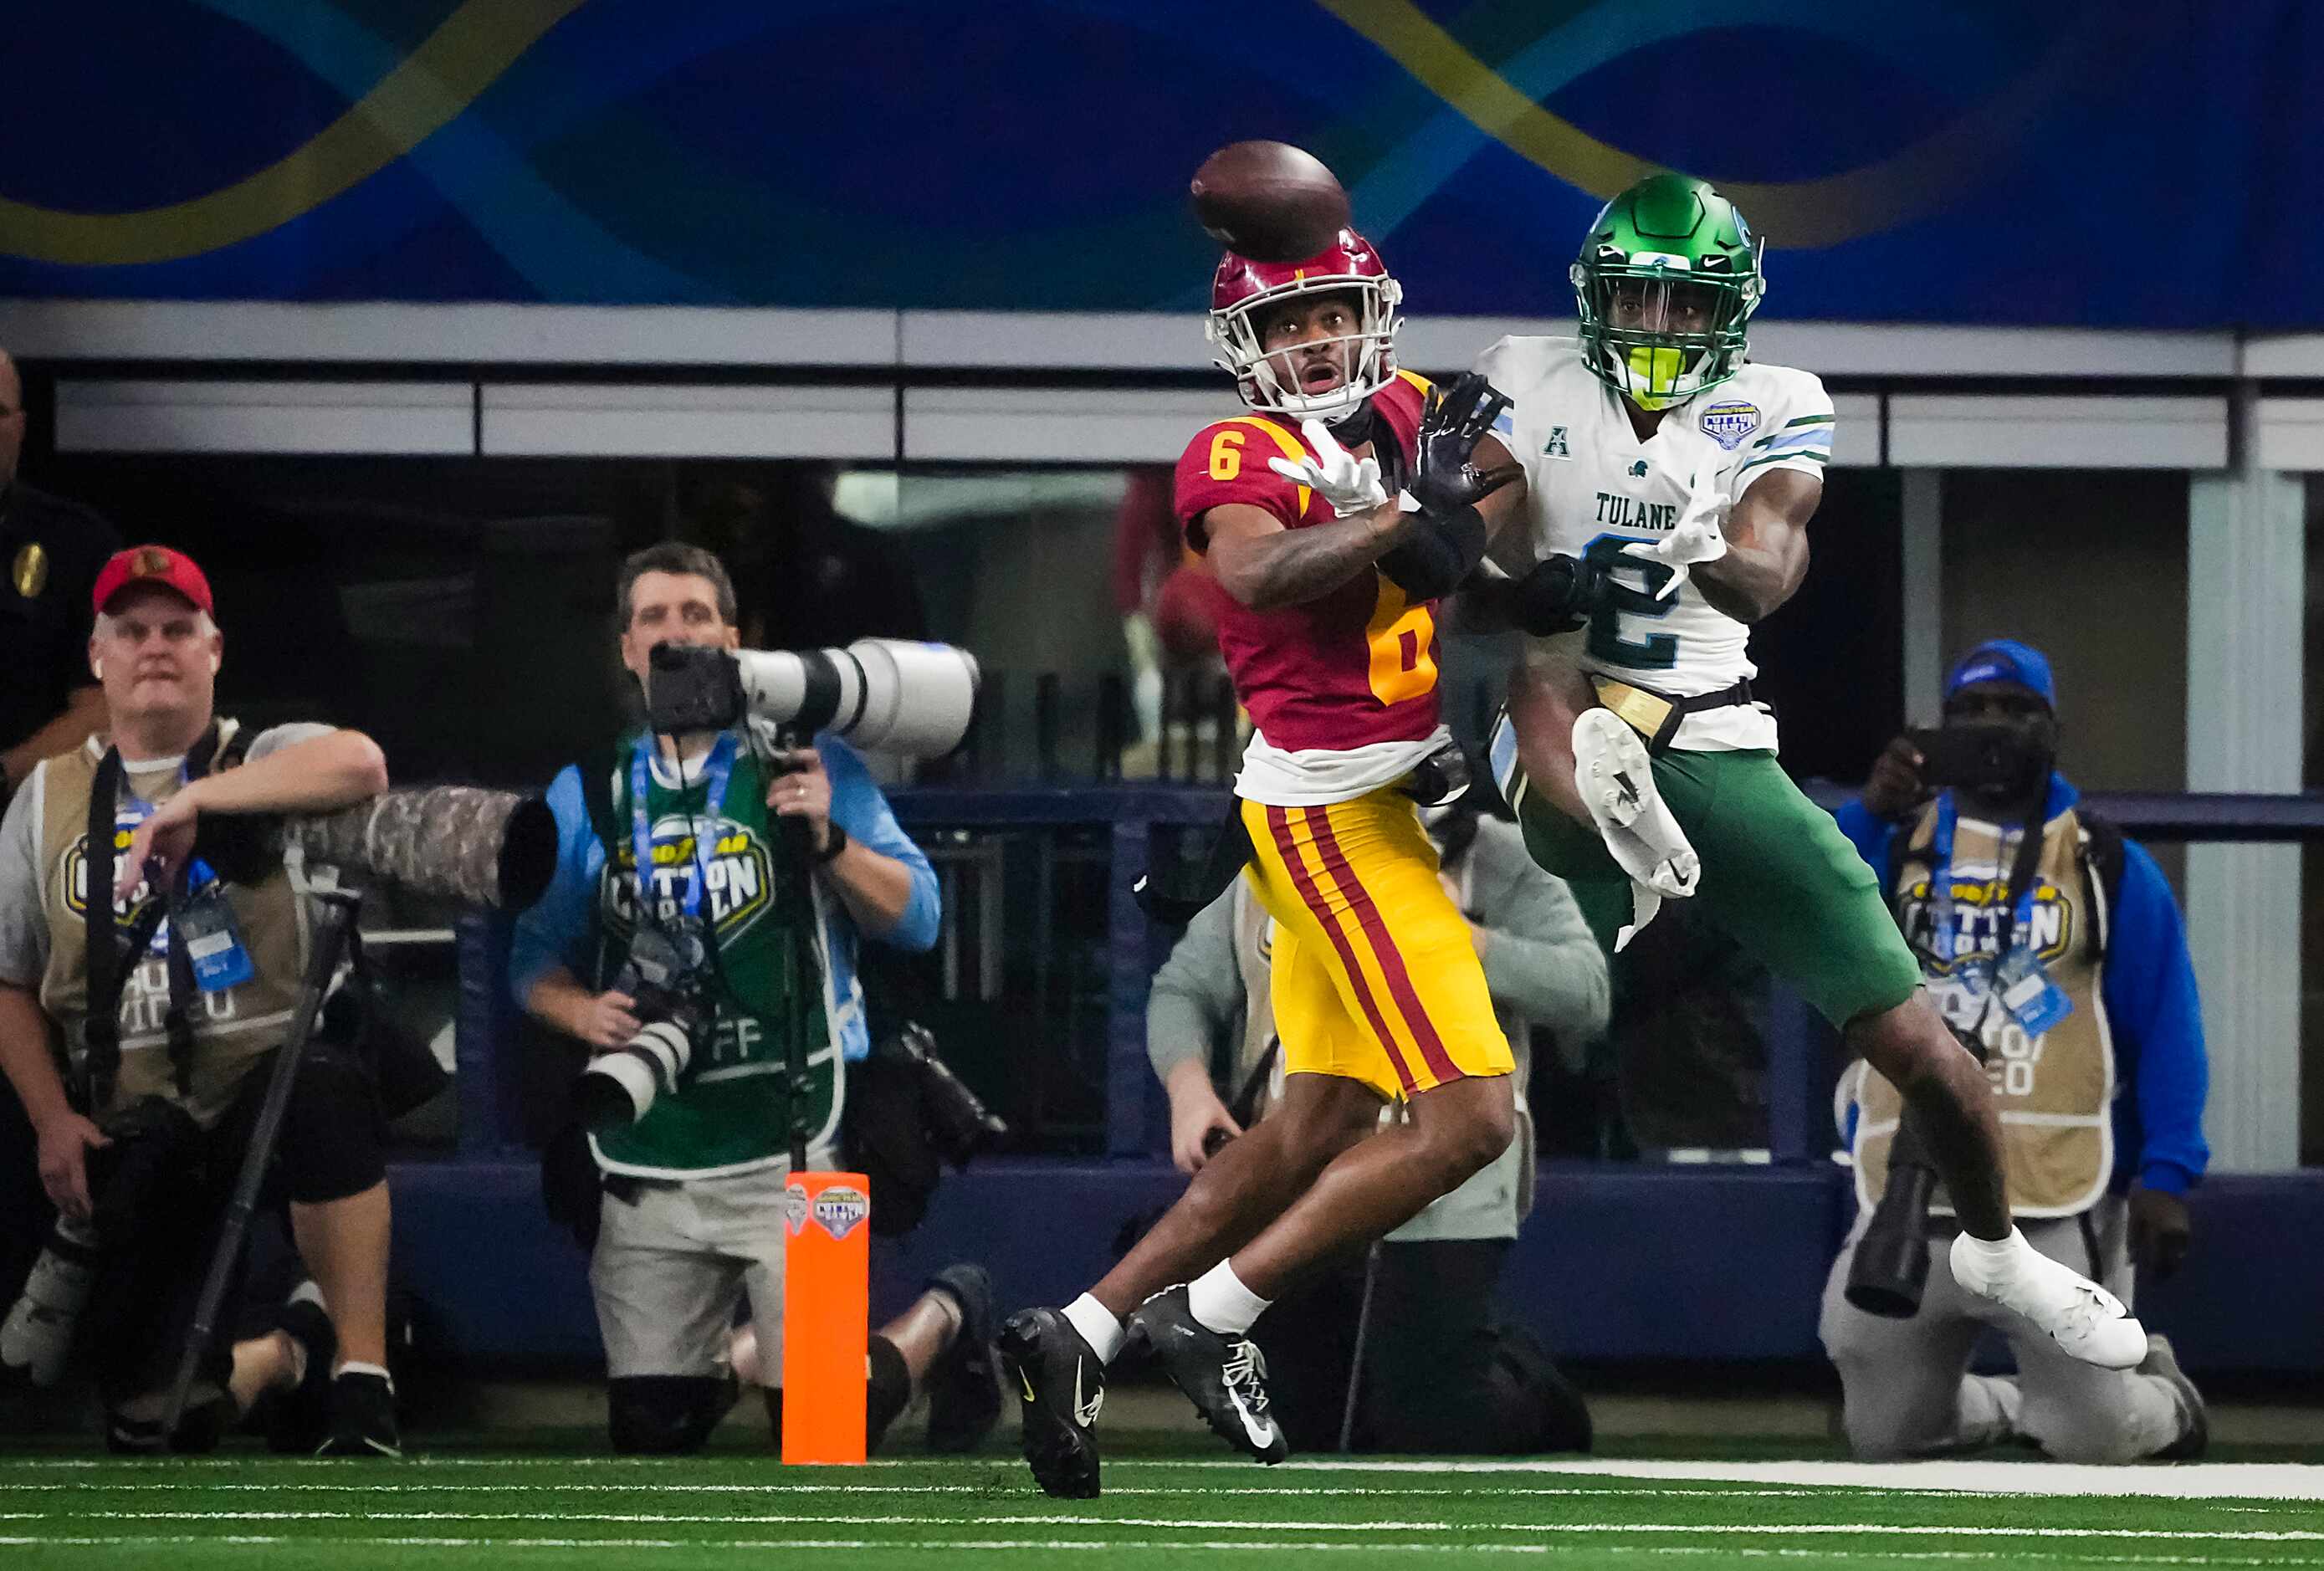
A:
(730, 1113)
(2055, 1091)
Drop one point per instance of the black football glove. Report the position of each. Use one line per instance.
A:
(1558, 595)
(1452, 424)
(1436, 555)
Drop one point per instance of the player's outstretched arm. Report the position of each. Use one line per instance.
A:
(1265, 566)
(1766, 547)
(1486, 602)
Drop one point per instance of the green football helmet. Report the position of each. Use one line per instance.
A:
(1668, 280)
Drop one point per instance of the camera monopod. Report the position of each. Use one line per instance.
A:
(335, 913)
(827, 1216)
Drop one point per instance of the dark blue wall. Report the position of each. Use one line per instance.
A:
(2142, 162)
(1617, 1262)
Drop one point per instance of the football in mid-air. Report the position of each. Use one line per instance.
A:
(1269, 200)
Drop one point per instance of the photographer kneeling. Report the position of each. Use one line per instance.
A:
(146, 923)
(690, 991)
(2052, 946)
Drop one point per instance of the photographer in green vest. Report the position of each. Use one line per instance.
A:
(2051, 944)
(661, 947)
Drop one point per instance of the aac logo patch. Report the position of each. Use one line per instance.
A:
(1556, 446)
(1730, 420)
(839, 1209)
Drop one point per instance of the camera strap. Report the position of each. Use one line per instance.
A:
(110, 961)
(716, 772)
(2017, 893)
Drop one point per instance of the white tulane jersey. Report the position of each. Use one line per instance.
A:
(1596, 489)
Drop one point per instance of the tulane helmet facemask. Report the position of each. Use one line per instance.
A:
(1667, 281)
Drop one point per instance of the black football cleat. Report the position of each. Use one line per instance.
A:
(1225, 1377)
(1060, 1384)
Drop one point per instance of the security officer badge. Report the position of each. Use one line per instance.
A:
(29, 571)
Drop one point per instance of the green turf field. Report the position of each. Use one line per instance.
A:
(724, 1510)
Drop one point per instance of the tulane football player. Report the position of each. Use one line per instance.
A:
(1668, 485)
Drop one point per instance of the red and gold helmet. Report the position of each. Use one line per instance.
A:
(1242, 287)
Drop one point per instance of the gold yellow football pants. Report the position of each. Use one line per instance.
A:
(1374, 975)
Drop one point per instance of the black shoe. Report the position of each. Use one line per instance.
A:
(1061, 1384)
(363, 1417)
(299, 1419)
(965, 1387)
(133, 1428)
(2196, 1438)
(1224, 1376)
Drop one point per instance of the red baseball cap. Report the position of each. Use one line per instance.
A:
(153, 564)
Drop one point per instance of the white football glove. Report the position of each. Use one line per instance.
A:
(1351, 484)
(1695, 538)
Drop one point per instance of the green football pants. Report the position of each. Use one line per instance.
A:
(1777, 874)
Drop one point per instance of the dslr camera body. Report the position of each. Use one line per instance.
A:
(1977, 756)
(668, 978)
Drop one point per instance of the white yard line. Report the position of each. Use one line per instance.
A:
(2179, 1481)
(955, 1546)
(1014, 1486)
(1208, 1524)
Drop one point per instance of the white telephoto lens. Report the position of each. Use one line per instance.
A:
(629, 1070)
(916, 698)
(667, 1048)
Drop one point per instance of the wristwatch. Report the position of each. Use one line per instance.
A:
(833, 847)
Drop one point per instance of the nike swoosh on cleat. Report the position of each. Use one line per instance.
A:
(1261, 1431)
(1026, 1380)
(1086, 1408)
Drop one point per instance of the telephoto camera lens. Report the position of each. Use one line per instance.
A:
(38, 1330)
(619, 1087)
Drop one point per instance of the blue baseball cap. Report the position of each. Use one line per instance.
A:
(2004, 660)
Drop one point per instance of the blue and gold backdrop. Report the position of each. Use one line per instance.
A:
(2139, 163)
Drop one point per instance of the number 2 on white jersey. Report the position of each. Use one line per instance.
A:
(1656, 652)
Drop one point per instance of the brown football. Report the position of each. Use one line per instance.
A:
(1269, 200)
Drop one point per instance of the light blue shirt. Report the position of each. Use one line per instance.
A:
(561, 928)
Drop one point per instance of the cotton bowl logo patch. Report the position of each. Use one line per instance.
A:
(838, 1209)
(794, 1207)
(1730, 420)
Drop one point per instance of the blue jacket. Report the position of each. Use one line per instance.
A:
(2148, 985)
(562, 928)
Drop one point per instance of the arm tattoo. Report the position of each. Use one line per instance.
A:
(1300, 565)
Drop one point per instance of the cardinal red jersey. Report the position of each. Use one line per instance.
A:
(1353, 668)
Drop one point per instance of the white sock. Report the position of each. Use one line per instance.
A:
(1218, 1300)
(1985, 1261)
(1097, 1326)
(307, 1292)
(355, 1366)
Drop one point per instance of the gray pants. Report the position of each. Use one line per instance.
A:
(1905, 1387)
(670, 1266)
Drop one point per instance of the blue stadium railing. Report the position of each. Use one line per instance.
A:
(1695, 1262)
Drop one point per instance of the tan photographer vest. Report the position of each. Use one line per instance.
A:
(2055, 1091)
(232, 1028)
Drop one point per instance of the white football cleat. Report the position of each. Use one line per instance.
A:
(1617, 782)
(2080, 1317)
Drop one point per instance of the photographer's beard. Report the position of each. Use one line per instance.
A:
(2035, 750)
